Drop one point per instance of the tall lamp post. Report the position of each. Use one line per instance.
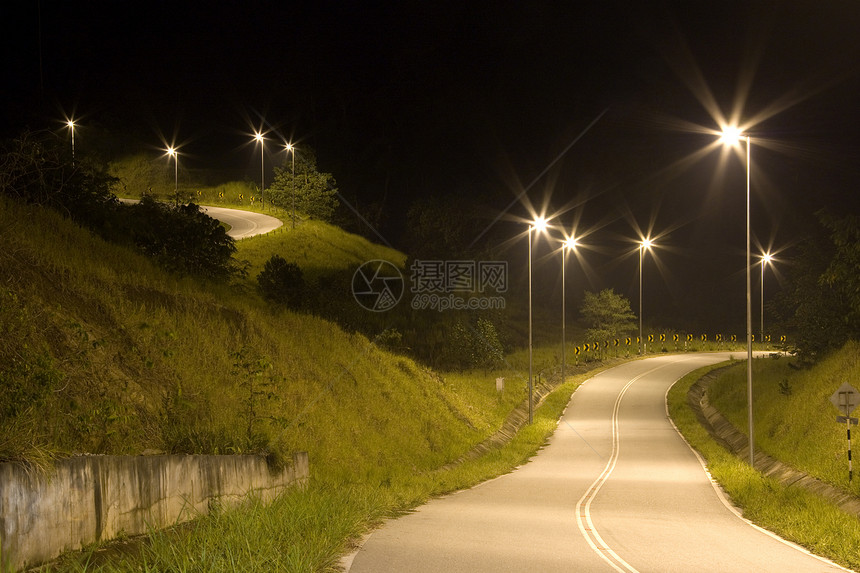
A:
(259, 137)
(644, 244)
(171, 151)
(539, 225)
(766, 259)
(292, 151)
(71, 124)
(569, 244)
(731, 136)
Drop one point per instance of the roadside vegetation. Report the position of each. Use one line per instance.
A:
(128, 357)
(790, 511)
(108, 350)
(310, 529)
(144, 329)
(795, 421)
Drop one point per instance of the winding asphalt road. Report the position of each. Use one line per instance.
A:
(616, 489)
(243, 224)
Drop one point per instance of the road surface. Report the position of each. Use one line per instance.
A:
(616, 489)
(243, 224)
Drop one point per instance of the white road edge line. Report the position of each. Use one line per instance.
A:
(723, 497)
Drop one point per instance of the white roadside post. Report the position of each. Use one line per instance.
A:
(846, 399)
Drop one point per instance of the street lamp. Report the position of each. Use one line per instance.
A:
(731, 136)
(644, 244)
(539, 225)
(71, 124)
(569, 244)
(292, 151)
(171, 151)
(766, 259)
(259, 137)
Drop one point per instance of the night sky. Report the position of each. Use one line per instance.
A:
(599, 110)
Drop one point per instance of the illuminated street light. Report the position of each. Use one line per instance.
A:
(732, 136)
(292, 151)
(569, 244)
(766, 259)
(539, 225)
(259, 137)
(171, 151)
(644, 244)
(71, 124)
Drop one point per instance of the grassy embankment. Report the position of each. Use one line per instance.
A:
(102, 352)
(794, 422)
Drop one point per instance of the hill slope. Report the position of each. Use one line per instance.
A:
(795, 421)
(103, 352)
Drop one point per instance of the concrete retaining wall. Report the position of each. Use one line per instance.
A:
(95, 498)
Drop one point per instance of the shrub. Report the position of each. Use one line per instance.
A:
(182, 238)
(282, 282)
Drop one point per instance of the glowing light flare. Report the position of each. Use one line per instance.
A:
(730, 127)
(652, 244)
(731, 135)
(171, 150)
(771, 259)
(540, 224)
(70, 123)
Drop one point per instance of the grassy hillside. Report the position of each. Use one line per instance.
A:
(102, 352)
(317, 247)
(794, 418)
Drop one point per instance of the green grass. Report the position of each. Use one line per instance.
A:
(791, 512)
(309, 529)
(317, 247)
(127, 357)
(794, 418)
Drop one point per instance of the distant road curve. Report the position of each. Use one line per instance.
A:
(243, 224)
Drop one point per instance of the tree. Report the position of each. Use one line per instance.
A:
(37, 170)
(843, 273)
(607, 315)
(142, 174)
(469, 344)
(820, 308)
(439, 229)
(309, 191)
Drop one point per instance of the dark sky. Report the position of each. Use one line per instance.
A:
(442, 99)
